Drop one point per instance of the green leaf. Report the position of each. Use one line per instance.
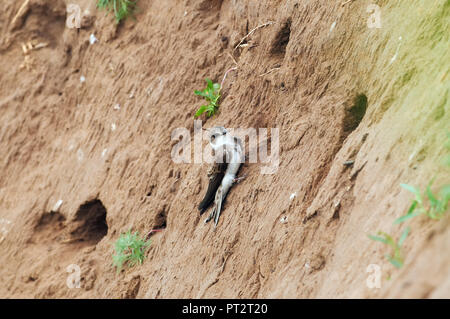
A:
(380, 239)
(395, 262)
(389, 239)
(412, 207)
(210, 84)
(201, 110)
(202, 93)
(433, 200)
(410, 188)
(403, 236)
(406, 217)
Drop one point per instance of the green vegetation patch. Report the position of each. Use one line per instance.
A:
(396, 258)
(211, 94)
(435, 207)
(130, 249)
(121, 8)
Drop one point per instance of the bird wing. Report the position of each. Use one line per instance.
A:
(216, 172)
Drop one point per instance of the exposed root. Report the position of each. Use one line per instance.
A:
(270, 71)
(21, 11)
(251, 32)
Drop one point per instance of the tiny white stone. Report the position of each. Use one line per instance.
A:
(104, 152)
(393, 58)
(283, 220)
(307, 266)
(80, 155)
(113, 127)
(332, 26)
(293, 195)
(4, 221)
(82, 79)
(117, 107)
(57, 205)
(92, 39)
(396, 52)
(185, 13)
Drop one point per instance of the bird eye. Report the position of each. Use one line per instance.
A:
(213, 136)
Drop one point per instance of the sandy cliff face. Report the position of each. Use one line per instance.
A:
(338, 89)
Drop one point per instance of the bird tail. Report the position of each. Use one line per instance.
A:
(215, 212)
(219, 199)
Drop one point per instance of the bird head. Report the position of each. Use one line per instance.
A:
(217, 136)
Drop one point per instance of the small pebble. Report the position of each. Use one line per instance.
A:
(332, 26)
(349, 163)
(57, 206)
(92, 39)
(80, 155)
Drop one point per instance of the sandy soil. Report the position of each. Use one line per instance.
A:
(65, 139)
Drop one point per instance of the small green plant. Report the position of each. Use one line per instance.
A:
(122, 8)
(429, 204)
(130, 249)
(211, 95)
(396, 258)
(435, 207)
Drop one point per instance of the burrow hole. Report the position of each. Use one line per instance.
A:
(281, 40)
(354, 114)
(160, 221)
(90, 222)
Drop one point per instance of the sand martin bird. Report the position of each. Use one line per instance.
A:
(228, 157)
